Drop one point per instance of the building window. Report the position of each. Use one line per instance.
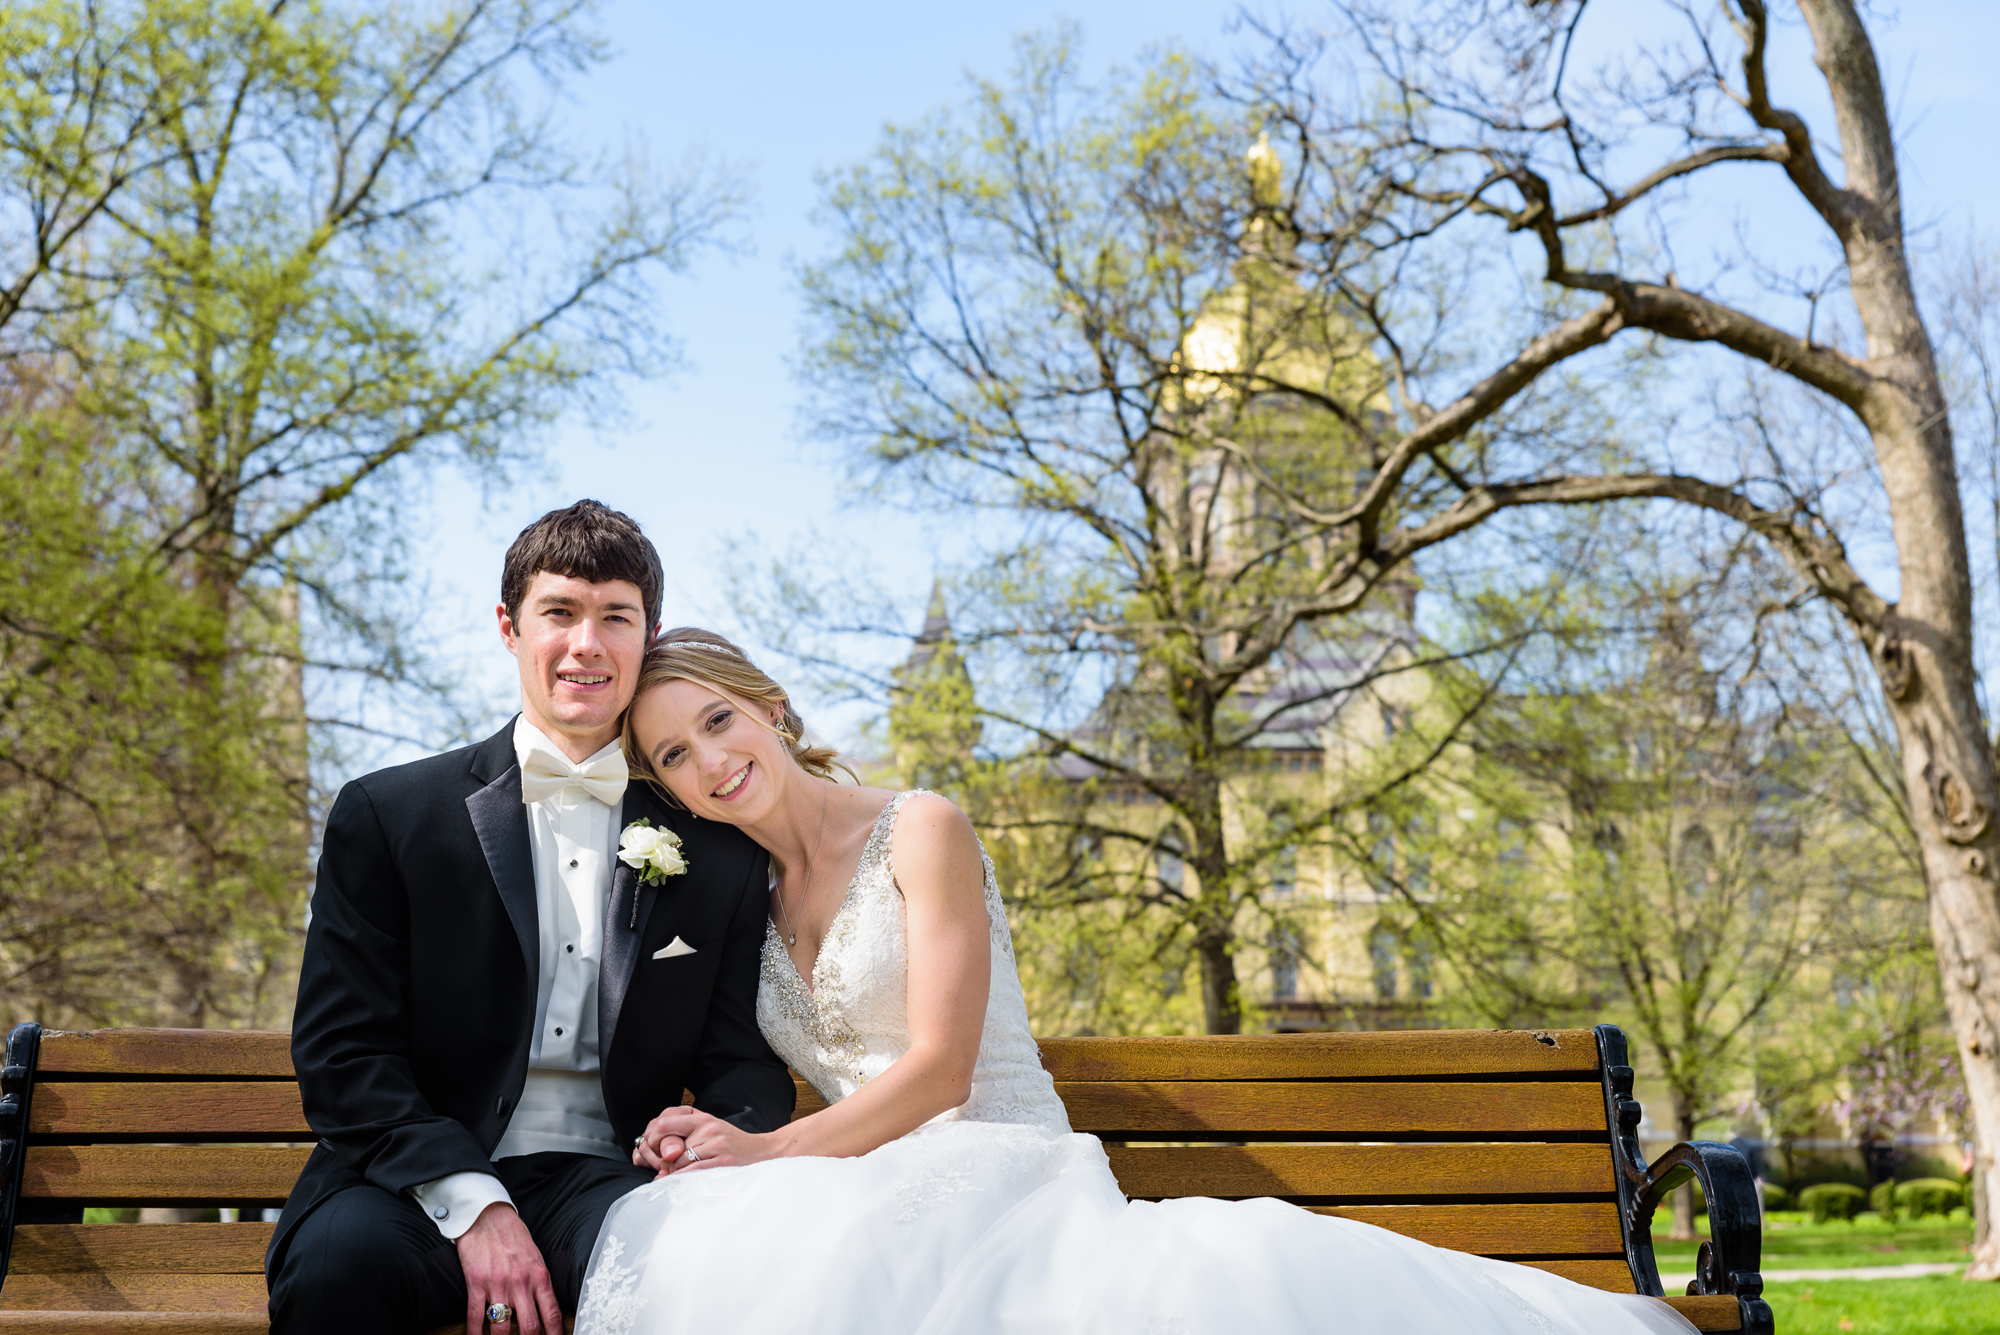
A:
(1381, 854)
(1284, 872)
(1384, 945)
(1286, 946)
(1417, 961)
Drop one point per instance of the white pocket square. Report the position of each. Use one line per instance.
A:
(674, 950)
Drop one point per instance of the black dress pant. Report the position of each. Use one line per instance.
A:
(369, 1261)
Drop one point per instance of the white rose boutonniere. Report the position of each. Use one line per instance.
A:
(653, 852)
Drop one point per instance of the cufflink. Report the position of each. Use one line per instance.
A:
(439, 1213)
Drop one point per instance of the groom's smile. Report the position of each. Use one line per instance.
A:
(579, 645)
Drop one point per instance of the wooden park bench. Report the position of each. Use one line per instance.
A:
(1506, 1143)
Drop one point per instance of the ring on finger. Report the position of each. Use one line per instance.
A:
(693, 1155)
(499, 1314)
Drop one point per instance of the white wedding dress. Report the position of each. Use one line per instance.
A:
(996, 1219)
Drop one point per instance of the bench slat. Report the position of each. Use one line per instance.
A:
(1720, 1312)
(1403, 1054)
(189, 1053)
(134, 1291)
(135, 1323)
(219, 1249)
(1611, 1274)
(157, 1175)
(162, 1110)
(1406, 1054)
(1495, 1230)
(1412, 1172)
(1238, 1110)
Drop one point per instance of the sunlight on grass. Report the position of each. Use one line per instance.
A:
(1792, 1242)
(1940, 1305)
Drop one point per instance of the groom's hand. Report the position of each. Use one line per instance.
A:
(503, 1265)
(657, 1151)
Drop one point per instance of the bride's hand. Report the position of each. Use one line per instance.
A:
(655, 1150)
(707, 1141)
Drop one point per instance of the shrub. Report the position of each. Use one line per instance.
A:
(1832, 1200)
(1910, 1167)
(1882, 1200)
(1929, 1195)
(1775, 1197)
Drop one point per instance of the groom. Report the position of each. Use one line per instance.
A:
(492, 1006)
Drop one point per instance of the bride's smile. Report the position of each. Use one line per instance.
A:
(713, 753)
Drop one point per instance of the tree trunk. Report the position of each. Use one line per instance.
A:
(1221, 1006)
(1923, 655)
(1982, 1217)
(1214, 910)
(1215, 931)
(1683, 1229)
(1923, 649)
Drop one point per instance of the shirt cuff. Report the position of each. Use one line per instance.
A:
(454, 1201)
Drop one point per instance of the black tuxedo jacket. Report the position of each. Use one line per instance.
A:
(417, 993)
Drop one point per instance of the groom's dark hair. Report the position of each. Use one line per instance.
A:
(588, 541)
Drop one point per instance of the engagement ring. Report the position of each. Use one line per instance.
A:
(693, 1157)
(499, 1314)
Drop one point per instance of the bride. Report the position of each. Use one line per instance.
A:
(942, 1190)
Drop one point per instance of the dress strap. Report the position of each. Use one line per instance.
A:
(877, 848)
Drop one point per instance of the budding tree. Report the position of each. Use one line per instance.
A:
(1476, 120)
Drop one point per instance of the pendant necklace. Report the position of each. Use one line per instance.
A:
(791, 936)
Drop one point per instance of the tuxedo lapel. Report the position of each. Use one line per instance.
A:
(624, 928)
(501, 821)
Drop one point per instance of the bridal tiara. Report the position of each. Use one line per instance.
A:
(698, 644)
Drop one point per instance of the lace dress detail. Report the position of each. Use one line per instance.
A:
(853, 1022)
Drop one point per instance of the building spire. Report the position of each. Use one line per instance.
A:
(937, 625)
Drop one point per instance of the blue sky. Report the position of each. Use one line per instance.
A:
(713, 455)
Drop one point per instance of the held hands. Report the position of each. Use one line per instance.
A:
(503, 1265)
(683, 1140)
(656, 1151)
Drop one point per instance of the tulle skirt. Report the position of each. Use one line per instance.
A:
(971, 1228)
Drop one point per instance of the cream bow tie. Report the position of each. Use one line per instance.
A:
(546, 772)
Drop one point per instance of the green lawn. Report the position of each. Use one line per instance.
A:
(1793, 1242)
(1938, 1305)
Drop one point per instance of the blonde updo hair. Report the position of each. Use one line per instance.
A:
(689, 653)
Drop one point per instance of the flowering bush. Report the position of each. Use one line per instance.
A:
(1898, 1080)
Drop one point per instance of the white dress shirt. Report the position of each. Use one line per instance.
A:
(572, 837)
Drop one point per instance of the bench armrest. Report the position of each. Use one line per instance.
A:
(17, 1089)
(1729, 1260)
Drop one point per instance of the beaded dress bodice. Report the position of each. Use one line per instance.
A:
(854, 1021)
